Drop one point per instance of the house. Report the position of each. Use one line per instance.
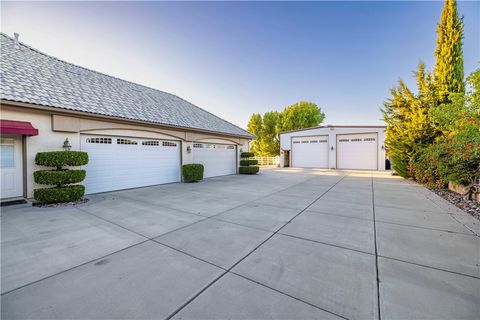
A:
(334, 147)
(135, 135)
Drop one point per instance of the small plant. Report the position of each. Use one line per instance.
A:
(192, 172)
(248, 166)
(64, 180)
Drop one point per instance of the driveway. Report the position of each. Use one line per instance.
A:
(287, 243)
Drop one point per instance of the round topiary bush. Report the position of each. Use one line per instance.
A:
(63, 179)
(248, 166)
(192, 172)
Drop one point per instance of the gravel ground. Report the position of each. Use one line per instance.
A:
(469, 206)
(56, 205)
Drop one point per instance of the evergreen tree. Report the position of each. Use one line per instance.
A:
(449, 58)
(409, 125)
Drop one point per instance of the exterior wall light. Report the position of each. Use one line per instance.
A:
(331, 148)
(66, 145)
(189, 149)
(383, 147)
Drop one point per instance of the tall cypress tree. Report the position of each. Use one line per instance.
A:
(449, 58)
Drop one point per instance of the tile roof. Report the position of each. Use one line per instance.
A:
(27, 75)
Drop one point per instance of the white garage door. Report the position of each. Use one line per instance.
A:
(217, 159)
(310, 152)
(120, 163)
(357, 151)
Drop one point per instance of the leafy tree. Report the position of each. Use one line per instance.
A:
(409, 125)
(301, 115)
(255, 127)
(267, 128)
(449, 58)
(270, 140)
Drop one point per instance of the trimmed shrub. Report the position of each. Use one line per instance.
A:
(61, 158)
(248, 162)
(247, 154)
(58, 177)
(61, 178)
(192, 172)
(247, 166)
(58, 195)
(248, 170)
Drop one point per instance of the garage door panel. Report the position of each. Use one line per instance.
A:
(217, 160)
(120, 163)
(357, 151)
(310, 152)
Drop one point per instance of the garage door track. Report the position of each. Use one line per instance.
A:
(284, 244)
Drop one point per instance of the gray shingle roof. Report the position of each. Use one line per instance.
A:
(27, 75)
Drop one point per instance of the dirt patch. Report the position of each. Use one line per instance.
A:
(469, 206)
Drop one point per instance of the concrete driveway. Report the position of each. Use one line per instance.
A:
(285, 244)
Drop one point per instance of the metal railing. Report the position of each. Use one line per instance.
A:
(267, 161)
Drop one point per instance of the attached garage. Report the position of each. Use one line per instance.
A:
(217, 159)
(357, 151)
(310, 152)
(334, 147)
(120, 163)
(135, 135)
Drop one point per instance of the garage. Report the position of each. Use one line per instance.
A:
(334, 147)
(357, 151)
(217, 159)
(310, 152)
(123, 162)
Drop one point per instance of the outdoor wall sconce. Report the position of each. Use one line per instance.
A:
(66, 145)
(331, 148)
(383, 147)
(189, 150)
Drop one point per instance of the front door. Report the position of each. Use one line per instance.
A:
(286, 158)
(12, 167)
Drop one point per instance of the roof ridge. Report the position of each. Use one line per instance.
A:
(117, 78)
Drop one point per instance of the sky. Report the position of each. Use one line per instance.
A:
(239, 58)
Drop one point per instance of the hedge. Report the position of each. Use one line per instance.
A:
(57, 195)
(192, 172)
(248, 162)
(247, 154)
(61, 158)
(54, 177)
(248, 170)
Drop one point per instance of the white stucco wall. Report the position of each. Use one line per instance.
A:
(50, 139)
(332, 132)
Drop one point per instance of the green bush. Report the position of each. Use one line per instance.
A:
(247, 154)
(248, 170)
(248, 162)
(58, 177)
(192, 172)
(61, 158)
(58, 195)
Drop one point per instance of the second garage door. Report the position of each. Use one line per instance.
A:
(120, 163)
(217, 159)
(357, 151)
(310, 152)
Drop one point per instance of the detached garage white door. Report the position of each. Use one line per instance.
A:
(120, 163)
(217, 159)
(357, 151)
(310, 152)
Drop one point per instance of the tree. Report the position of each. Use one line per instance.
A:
(255, 127)
(409, 125)
(449, 58)
(267, 128)
(270, 141)
(301, 115)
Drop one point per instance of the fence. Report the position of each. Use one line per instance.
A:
(268, 161)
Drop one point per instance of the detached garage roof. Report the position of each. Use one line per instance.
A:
(30, 76)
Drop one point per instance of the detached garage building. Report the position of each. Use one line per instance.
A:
(135, 135)
(334, 147)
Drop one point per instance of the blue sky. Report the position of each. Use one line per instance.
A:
(237, 58)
